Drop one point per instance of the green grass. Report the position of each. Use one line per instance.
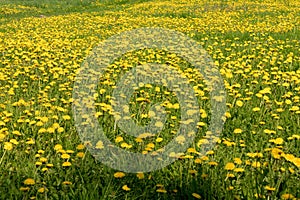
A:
(39, 58)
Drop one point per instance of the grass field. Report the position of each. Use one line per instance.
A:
(254, 44)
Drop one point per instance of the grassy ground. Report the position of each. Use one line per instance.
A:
(255, 45)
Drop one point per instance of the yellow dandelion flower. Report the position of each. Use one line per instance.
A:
(197, 196)
(41, 190)
(49, 165)
(66, 164)
(126, 188)
(80, 147)
(239, 169)
(80, 154)
(99, 145)
(125, 145)
(43, 159)
(39, 123)
(161, 190)
(237, 131)
(238, 161)
(140, 175)
(159, 124)
(119, 174)
(67, 183)
(8, 146)
(44, 169)
(65, 156)
(66, 117)
(44, 119)
(60, 130)
(29, 181)
(24, 189)
(180, 139)
(213, 163)
(2, 136)
(277, 141)
(287, 196)
(58, 147)
(269, 188)
(229, 166)
(256, 109)
(256, 164)
(198, 161)
(239, 103)
(118, 139)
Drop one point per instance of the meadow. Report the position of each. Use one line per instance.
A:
(255, 46)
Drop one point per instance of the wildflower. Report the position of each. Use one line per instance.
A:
(269, 188)
(161, 190)
(80, 154)
(67, 183)
(119, 175)
(8, 146)
(237, 161)
(197, 196)
(58, 147)
(66, 164)
(65, 156)
(99, 145)
(277, 141)
(256, 164)
(239, 169)
(287, 196)
(80, 147)
(239, 103)
(119, 139)
(24, 189)
(41, 190)
(126, 188)
(229, 166)
(159, 124)
(237, 131)
(29, 181)
(140, 175)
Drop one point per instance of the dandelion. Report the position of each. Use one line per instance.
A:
(239, 103)
(159, 124)
(287, 196)
(58, 147)
(161, 190)
(119, 175)
(67, 183)
(126, 188)
(24, 189)
(239, 169)
(277, 141)
(80, 147)
(270, 188)
(65, 156)
(80, 154)
(229, 166)
(41, 190)
(140, 175)
(99, 145)
(237, 131)
(180, 139)
(29, 181)
(119, 139)
(8, 146)
(197, 196)
(256, 164)
(66, 164)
